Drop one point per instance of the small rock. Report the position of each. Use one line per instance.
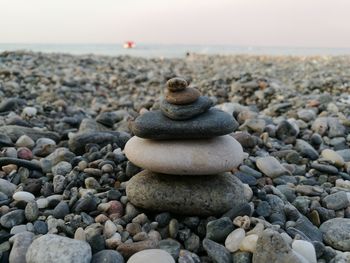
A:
(151, 255)
(107, 256)
(270, 166)
(23, 196)
(248, 243)
(49, 248)
(217, 252)
(234, 239)
(306, 249)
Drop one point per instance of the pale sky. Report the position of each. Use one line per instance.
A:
(293, 23)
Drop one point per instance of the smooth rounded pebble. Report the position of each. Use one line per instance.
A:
(306, 249)
(186, 157)
(333, 156)
(248, 243)
(234, 239)
(184, 112)
(270, 166)
(176, 84)
(191, 195)
(155, 125)
(336, 233)
(151, 255)
(53, 248)
(186, 96)
(23, 196)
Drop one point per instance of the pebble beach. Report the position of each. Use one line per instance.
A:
(65, 121)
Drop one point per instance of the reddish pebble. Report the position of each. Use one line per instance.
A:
(24, 153)
(116, 207)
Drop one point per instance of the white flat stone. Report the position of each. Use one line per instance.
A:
(23, 196)
(305, 249)
(185, 157)
(234, 239)
(151, 255)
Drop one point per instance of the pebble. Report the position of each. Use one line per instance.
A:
(23, 196)
(49, 247)
(217, 252)
(205, 199)
(7, 187)
(306, 249)
(336, 201)
(21, 242)
(218, 155)
(31, 211)
(61, 210)
(12, 218)
(234, 239)
(333, 156)
(218, 230)
(248, 243)
(271, 247)
(151, 255)
(171, 246)
(107, 256)
(176, 84)
(185, 96)
(185, 112)
(306, 149)
(154, 125)
(270, 166)
(25, 141)
(335, 233)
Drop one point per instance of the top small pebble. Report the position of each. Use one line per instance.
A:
(176, 84)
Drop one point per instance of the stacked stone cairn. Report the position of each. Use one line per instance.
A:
(187, 153)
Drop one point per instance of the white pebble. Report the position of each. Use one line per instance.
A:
(25, 141)
(305, 249)
(23, 196)
(42, 203)
(29, 111)
(248, 244)
(234, 239)
(333, 156)
(109, 229)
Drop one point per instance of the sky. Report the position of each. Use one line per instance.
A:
(285, 23)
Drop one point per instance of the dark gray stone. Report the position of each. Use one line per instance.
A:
(5, 141)
(12, 218)
(306, 150)
(40, 227)
(171, 246)
(61, 210)
(78, 142)
(184, 112)
(11, 104)
(154, 125)
(328, 169)
(217, 252)
(107, 256)
(304, 225)
(242, 257)
(218, 230)
(15, 131)
(191, 195)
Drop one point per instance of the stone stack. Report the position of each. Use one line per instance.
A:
(187, 154)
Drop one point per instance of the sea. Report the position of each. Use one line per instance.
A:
(172, 51)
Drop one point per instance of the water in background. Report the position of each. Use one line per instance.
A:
(149, 50)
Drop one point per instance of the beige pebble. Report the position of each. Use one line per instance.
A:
(248, 244)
